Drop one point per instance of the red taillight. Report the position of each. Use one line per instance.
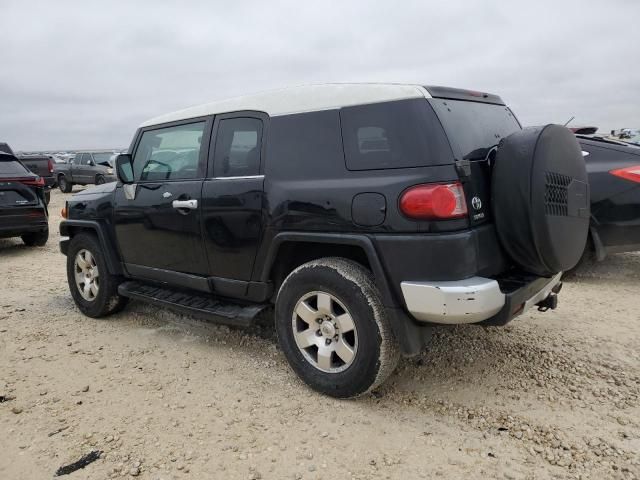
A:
(628, 173)
(36, 182)
(50, 166)
(434, 201)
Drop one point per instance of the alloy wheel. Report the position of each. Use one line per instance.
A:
(87, 275)
(324, 332)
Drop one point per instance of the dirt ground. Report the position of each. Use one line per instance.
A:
(552, 395)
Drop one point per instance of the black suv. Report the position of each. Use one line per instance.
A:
(23, 205)
(366, 213)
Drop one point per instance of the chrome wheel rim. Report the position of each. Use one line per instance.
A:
(324, 332)
(87, 275)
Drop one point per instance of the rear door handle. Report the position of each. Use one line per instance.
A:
(187, 204)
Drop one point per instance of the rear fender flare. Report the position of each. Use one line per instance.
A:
(336, 239)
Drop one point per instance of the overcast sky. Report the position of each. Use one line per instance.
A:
(85, 74)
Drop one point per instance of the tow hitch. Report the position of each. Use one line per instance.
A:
(551, 302)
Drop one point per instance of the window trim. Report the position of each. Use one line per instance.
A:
(263, 117)
(204, 146)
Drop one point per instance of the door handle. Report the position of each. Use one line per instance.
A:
(187, 204)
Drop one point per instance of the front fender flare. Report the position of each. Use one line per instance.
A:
(69, 228)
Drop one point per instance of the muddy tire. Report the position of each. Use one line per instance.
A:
(333, 329)
(93, 288)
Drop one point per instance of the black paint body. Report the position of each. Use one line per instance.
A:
(304, 199)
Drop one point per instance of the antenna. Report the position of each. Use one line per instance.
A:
(569, 121)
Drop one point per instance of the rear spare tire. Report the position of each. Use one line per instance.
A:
(540, 199)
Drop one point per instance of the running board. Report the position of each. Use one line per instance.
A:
(203, 306)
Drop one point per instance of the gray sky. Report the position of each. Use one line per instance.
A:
(84, 74)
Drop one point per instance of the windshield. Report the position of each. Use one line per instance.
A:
(103, 158)
(474, 128)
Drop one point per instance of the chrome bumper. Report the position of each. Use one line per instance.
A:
(465, 301)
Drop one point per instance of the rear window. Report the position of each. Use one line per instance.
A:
(399, 134)
(474, 128)
(11, 167)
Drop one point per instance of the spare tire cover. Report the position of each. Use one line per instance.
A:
(540, 199)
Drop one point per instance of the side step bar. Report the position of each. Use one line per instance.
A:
(198, 305)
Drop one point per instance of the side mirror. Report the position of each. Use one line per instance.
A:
(92, 163)
(124, 168)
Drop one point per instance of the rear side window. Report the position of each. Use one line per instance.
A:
(398, 134)
(11, 167)
(237, 151)
(86, 158)
(171, 153)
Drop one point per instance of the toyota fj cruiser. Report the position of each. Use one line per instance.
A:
(366, 213)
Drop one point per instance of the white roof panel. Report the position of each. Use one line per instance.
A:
(306, 98)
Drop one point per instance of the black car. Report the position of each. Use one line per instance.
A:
(365, 213)
(23, 208)
(614, 178)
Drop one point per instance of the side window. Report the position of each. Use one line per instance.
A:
(85, 159)
(398, 134)
(171, 153)
(237, 150)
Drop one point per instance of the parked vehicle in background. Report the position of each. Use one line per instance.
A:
(4, 147)
(86, 168)
(366, 213)
(628, 133)
(23, 208)
(42, 165)
(614, 179)
(634, 140)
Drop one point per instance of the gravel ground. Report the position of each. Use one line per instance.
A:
(552, 395)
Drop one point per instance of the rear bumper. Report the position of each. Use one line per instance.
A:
(476, 299)
(17, 229)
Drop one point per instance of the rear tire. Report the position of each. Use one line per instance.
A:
(333, 328)
(64, 185)
(36, 239)
(92, 287)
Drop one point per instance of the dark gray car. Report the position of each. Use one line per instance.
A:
(87, 168)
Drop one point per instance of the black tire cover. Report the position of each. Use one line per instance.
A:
(540, 199)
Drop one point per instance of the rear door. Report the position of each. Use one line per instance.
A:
(158, 219)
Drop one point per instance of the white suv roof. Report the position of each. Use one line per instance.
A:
(307, 98)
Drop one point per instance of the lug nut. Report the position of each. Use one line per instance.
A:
(328, 341)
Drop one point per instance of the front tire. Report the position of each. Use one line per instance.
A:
(100, 180)
(92, 287)
(36, 239)
(64, 185)
(333, 328)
